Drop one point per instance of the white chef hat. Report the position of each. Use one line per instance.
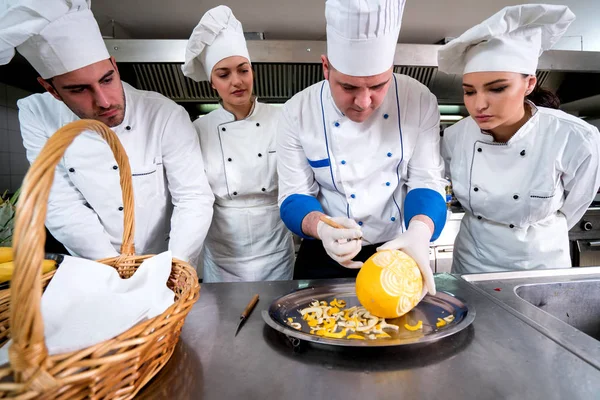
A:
(362, 34)
(512, 40)
(55, 36)
(217, 36)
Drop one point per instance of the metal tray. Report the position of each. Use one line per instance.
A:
(428, 310)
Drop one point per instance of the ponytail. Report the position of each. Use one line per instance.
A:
(544, 98)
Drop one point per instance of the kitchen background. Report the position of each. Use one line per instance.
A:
(285, 41)
(13, 162)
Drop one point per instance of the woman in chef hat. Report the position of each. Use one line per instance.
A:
(525, 174)
(247, 240)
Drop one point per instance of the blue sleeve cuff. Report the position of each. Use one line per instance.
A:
(293, 210)
(426, 202)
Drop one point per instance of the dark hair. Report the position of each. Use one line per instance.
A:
(543, 98)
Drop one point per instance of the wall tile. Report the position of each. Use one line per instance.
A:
(15, 142)
(5, 164)
(3, 117)
(18, 164)
(5, 183)
(4, 140)
(13, 94)
(15, 182)
(12, 119)
(2, 94)
(595, 122)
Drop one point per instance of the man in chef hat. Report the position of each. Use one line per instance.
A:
(62, 41)
(361, 147)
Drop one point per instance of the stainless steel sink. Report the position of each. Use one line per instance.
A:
(563, 304)
(576, 303)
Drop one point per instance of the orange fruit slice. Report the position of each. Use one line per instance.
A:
(389, 284)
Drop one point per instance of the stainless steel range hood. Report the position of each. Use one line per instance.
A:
(283, 68)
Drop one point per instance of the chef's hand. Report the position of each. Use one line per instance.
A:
(415, 243)
(342, 245)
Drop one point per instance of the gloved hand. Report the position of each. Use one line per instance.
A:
(342, 245)
(415, 243)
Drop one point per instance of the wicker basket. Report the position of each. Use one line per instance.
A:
(117, 368)
(5, 308)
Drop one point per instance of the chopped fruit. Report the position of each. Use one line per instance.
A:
(338, 335)
(357, 337)
(414, 328)
(326, 319)
(333, 311)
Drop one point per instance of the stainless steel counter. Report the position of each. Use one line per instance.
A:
(499, 356)
(563, 304)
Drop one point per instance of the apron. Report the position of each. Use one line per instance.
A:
(247, 240)
(247, 244)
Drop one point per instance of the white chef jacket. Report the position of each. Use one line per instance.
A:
(247, 240)
(171, 193)
(363, 170)
(521, 197)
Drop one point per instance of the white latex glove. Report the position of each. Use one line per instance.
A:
(342, 245)
(415, 243)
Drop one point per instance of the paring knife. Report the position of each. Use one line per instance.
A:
(246, 313)
(335, 225)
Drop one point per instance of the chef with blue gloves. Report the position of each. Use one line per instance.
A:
(363, 148)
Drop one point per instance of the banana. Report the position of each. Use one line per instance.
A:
(7, 268)
(6, 254)
(48, 265)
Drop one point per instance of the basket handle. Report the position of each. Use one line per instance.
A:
(28, 353)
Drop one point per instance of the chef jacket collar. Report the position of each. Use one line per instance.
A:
(329, 98)
(128, 110)
(522, 131)
(250, 115)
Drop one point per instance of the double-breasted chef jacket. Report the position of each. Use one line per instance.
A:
(380, 173)
(521, 197)
(173, 201)
(247, 240)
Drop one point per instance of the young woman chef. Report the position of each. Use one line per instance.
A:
(247, 240)
(524, 174)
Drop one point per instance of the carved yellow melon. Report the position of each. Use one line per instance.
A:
(389, 284)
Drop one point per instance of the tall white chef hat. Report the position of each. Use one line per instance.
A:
(55, 36)
(362, 34)
(217, 36)
(512, 40)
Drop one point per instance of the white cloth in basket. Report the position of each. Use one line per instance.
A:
(86, 302)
